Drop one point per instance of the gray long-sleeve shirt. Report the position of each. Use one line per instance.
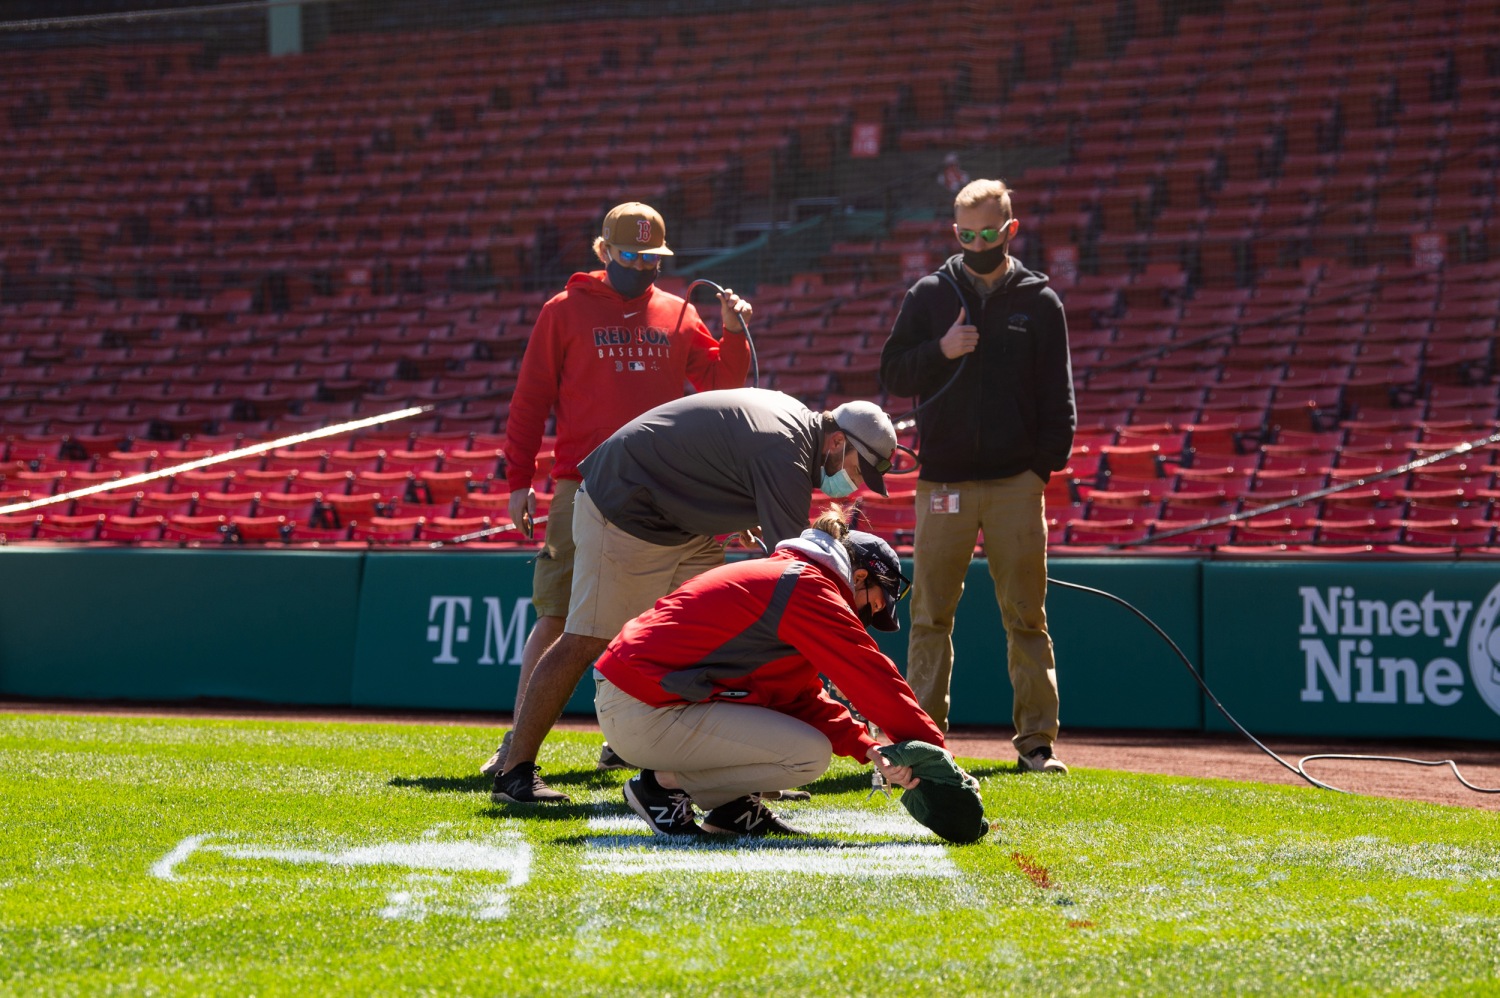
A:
(712, 463)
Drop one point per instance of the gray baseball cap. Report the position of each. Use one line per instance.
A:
(871, 432)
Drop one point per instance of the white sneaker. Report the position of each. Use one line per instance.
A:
(1041, 760)
(496, 765)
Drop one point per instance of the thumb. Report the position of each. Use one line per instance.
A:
(963, 316)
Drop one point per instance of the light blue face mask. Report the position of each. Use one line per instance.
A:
(839, 485)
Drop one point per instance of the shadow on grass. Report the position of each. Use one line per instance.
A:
(596, 778)
(1004, 769)
(443, 784)
(839, 784)
(706, 842)
(479, 783)
(541, 812)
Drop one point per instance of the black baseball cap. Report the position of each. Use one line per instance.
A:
(878, 558)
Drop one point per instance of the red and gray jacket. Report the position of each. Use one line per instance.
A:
(759, 632)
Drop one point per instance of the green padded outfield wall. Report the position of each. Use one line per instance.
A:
(445, 631)
(1310, 648)
(1113, 671)
(1355, 648)
(167, 624)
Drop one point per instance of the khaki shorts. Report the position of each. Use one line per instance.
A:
(552, 577)
(617, 576)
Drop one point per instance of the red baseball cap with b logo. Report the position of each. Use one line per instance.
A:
(636, 226)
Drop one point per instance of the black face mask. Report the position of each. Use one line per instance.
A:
(866, 615)
(986, 261)
(629, 282)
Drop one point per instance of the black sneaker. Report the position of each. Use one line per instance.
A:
(523, 785)
(668, 812)
(746, 816)
(610, 759)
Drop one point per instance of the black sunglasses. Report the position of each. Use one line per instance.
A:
(883, 465)
(878, 577)
(903, 587)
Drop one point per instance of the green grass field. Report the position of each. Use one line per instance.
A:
(217, 857)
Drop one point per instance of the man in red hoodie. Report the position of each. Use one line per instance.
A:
(605, 350)
(715, 691)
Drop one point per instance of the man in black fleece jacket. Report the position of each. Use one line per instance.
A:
(983, 344)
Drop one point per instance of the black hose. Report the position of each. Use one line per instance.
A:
(754, 357)
(1299, 769)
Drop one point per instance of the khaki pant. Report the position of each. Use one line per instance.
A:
(617, 576)
(552, 576)
(1011, 514)
(721, 751)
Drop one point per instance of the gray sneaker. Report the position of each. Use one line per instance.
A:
(1041, 760)
(524, 785)
(496, 765)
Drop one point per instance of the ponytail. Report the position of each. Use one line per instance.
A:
(831, 521)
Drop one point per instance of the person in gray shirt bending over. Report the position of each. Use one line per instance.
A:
(655, 495)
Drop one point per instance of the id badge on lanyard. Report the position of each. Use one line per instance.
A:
(943, 501)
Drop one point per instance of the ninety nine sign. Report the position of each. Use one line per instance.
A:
(1403, 651)
(450, 625)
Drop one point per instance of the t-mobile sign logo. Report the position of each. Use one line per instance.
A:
(448, 626)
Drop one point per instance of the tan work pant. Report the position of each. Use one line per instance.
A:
(721, 751)
(1011, 514)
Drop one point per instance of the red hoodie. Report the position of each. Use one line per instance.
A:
(759, 632)
(601, 360)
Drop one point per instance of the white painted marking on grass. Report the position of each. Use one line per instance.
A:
(166, 867)
(429, 890)
(891, 820)
(631, 856)
(623, 846)
(513, 858)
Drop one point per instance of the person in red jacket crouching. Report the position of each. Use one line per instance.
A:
(715, 691)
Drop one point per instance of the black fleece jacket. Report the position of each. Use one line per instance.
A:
(1011, 408)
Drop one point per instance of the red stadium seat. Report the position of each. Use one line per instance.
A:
(343, 510)
(448, 529)
(69, 528)
(196, 529)
(258, 529)
(132, 529)
(444, 486)
(386, 530)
